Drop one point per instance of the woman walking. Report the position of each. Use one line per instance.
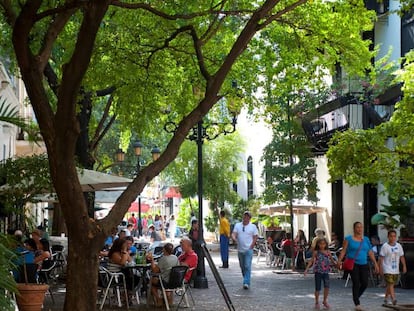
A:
(358, 247)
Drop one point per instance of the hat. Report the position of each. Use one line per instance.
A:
(247, 213)
(151, 226)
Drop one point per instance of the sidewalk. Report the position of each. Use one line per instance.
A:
(270, 291)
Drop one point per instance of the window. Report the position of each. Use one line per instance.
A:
(250, 177)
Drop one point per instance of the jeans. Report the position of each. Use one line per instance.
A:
(359, 277)
(224, 248)
(319, 278)
(245, 261)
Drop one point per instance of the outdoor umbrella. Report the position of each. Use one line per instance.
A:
(93, 180)
(90, 181)
(298, 207)
(134, 208)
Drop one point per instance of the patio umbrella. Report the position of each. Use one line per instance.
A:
(298, 207)
(93, 180)
(134, 207)
(90, 181)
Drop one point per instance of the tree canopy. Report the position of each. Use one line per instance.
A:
(142, 59)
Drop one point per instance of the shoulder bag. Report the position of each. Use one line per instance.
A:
(348, 264)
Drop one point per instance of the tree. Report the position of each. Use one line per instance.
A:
(384, 154)
(289, 164)
(154, 54)
(220, 170)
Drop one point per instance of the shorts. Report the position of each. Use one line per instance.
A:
(319, 277)
(391, 279)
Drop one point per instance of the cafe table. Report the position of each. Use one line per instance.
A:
(140, 269)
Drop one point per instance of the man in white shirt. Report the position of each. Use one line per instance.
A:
(245, 235)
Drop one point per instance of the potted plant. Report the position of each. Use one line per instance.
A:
(7, 283)
(30, 296)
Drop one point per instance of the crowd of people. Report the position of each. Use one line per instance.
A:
(166, 227)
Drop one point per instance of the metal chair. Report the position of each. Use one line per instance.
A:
(187, 289)
(176, 282)
(115, 281)
(58, 255)
(45, 275)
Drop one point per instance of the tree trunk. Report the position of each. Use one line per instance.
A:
(81, 285)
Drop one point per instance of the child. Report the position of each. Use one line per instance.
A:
(321, 259)
(389, 263)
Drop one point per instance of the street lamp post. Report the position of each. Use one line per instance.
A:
(120, 155)
(199, 133)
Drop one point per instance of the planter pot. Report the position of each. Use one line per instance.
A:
(31, 296)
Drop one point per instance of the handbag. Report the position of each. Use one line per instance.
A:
(348, 264)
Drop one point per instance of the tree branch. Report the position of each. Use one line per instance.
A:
(94, 141)
(10, 14)
(281, 13)
(55, 27)
(51, 78)
(164, 15)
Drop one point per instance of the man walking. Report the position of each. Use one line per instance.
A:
(224, 239)
(245, 235)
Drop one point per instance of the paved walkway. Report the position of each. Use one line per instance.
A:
(270, 290)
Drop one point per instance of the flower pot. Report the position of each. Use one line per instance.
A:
(31, 296)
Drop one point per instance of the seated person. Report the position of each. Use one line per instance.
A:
(376, 245)
(319, 234)
(118, 258)
(165, 263)
(188, 257)
(43, 253)
(131, 248)
(335, 243)
(27, 252)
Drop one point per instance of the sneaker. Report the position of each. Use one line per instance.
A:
(358, 308)
(246, 286)
(394, 302)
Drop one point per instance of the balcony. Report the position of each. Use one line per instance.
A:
(381, 7)
(346, 112)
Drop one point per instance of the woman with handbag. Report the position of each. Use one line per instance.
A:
(357, 249)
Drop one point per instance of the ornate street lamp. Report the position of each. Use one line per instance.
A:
(199, 133)
(120, 157)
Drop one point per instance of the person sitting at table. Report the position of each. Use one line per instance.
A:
(118, 258)
(188, 257)
(335, 243)
(132, 250)
(165, 263)
(43, 253)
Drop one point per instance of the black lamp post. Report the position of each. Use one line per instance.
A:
(199, 133)
(120, 156)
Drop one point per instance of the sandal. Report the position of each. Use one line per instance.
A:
(317, 306)
(326, 305)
